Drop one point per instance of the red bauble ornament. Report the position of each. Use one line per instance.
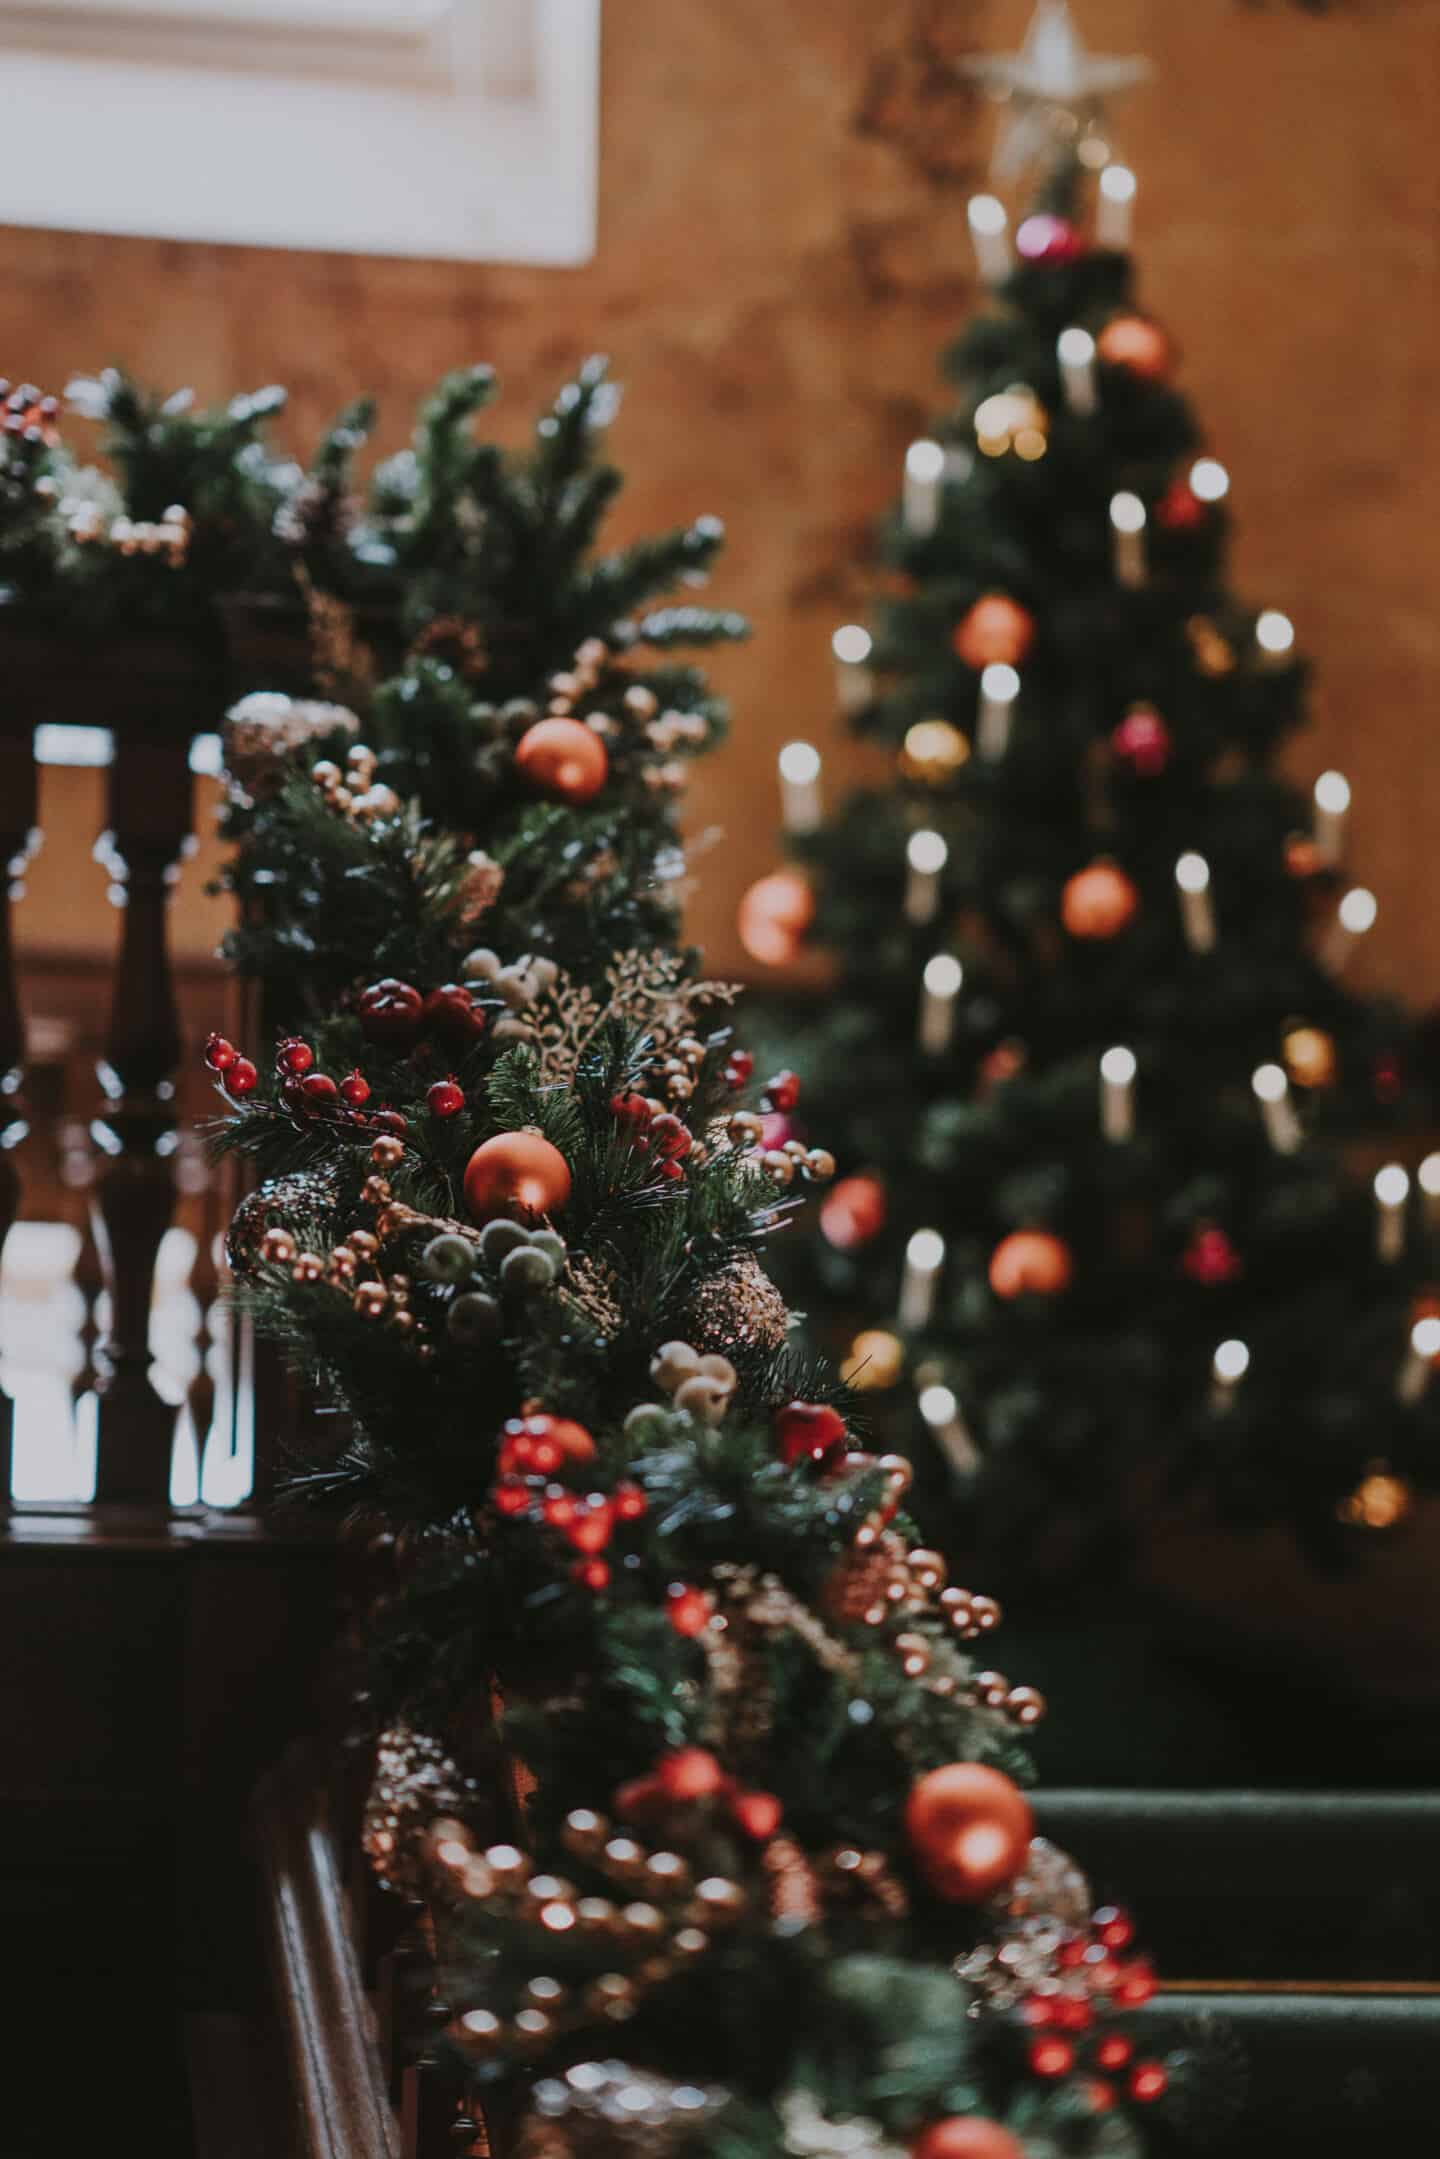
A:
(592, 1574)
(996, 631)
(1099, 902)
(688, 1610)
(1052, 2057)
(390, 1012)
(1031, 1263)
(969, 1829)
(631, 1109)
(689, 1773)
(1048, 240)
(853, 1212)
(539, 1444)
(1180, 509)
(516, 1173)
(318, 1090)
(1210, 1258)
(773, 917)
(563, 759)
(241, 1077)
(630, 1503)
(294, 1056)
(355, 1090)
(966, 2136)
(445, 1099)
(757, 1815)
(810, 1432)
(452, 1014)
(389, 1120)
(1148, 2082)
(1114, 2051)
(219, 1054)
(1142, 347)
(1142, 741)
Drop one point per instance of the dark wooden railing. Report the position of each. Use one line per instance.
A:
(155, 695)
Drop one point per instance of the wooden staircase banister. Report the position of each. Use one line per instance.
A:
(339, 2093)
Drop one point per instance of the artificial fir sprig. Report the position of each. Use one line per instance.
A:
(519, 1178)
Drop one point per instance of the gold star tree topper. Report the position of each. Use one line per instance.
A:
(1054, 90)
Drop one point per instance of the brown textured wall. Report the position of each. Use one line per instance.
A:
(782, 251)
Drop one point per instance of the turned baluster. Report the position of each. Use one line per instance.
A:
(17, 836)
(149, 808)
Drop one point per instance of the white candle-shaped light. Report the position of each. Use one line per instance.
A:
(1228, 1367)
(1392, 1190)
(1332, 800)
(1274, 638)
(999, 688)
(926, 856)
(1075, 350)
(800, 806)
(1428, 1179)
(1209, 481)
(1420, 1354)
(854, 684)
(1354, 919)
(924, 475)
(1272, 1092)
(1115, 206)
(1127, 532)
(942, 979)
(1197, 909)
(924, 1257)
(991, 241)
(941, 1411)
(1117, 1094)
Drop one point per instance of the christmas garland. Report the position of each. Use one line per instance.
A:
(684, 1739)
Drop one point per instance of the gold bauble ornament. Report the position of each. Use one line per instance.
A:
(875, 1360)
(1379, 1501)
(933, 752)
(1310, 1056)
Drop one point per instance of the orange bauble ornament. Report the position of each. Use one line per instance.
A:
(1099, 902)
(774, 915)
(1031, 1263)
(853, 1212)
(966, 2136)
(1142, 347)
(969, 1829)
(996, 631)
(518, 1174)
(563, 759)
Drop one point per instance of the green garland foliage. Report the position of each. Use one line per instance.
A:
(510, 1228)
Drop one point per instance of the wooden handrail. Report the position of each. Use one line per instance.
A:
(342, 2108)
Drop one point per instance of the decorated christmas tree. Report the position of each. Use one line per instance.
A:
(682, 1737)
(1124, 1204)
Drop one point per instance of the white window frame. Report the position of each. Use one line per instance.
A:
(464, 130)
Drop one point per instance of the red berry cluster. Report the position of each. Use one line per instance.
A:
(781, 1093)
(738, 1067)
(395, 1016)
(305, 1092)
(535, 1450)
(654, 1131)
(686, 1778)
(1093, 1981)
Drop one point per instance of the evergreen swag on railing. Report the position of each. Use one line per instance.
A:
(655, 1615)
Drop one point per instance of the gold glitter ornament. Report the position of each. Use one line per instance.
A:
(415, 1781)
(737, 1307)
